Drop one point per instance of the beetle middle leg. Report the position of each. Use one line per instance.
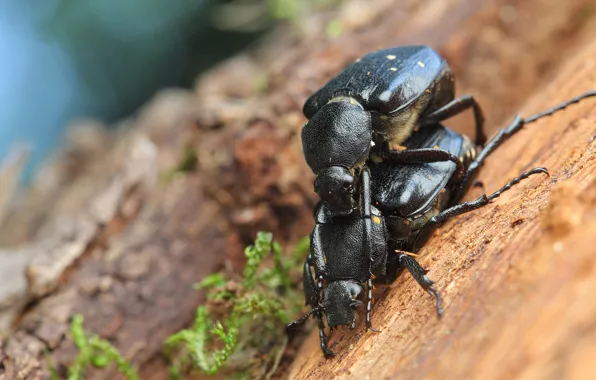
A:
(456, 107)
(421, 278)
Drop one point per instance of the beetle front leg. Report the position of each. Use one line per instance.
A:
(323, 338)
(311, 296)
(317, 256)
(419, 275)
(311, 289)
(456, 107)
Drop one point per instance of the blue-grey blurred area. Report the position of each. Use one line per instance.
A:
(65, 59)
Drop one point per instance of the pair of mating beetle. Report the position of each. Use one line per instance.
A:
(387, 174)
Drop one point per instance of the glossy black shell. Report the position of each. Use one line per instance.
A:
(409, 189)
(390, 80)
(341, 239)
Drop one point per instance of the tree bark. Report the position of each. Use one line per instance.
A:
(137, 242)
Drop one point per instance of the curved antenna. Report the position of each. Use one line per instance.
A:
(300, 321)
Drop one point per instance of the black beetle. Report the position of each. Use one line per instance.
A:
(411, 198)
(377, 100)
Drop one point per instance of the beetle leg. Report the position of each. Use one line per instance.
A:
(317, 311)
(322, 337)
(506, 133)
(311, 288)
(317, 256)
(311, 295)
(502, 136)
(422, 279)
(429, 155)
(456, 107)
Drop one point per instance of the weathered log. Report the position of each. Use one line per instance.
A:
(132, 276)
(517, 276)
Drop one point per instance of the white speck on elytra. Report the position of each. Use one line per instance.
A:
(391, 57)
(420, 63)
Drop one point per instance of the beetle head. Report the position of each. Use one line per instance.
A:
(341, 302)
(335, 186)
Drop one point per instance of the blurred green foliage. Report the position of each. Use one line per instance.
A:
(96, 352)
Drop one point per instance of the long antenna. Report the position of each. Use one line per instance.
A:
(561, 106)
(303, 319)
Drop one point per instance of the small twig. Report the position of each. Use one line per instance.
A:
(278, 357)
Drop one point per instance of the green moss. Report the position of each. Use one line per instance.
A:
(188, 161)
(257, 306)
(96, 352)
(334, 29)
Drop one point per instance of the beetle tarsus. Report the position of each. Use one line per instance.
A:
(419, 274)
(437, 295)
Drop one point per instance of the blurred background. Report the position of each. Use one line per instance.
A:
(119, 190)
(63, 60)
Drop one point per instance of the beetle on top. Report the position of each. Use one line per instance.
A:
(376, 101)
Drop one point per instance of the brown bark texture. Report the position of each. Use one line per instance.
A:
(121, 240)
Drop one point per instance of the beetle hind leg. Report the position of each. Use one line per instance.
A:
(421, 278)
